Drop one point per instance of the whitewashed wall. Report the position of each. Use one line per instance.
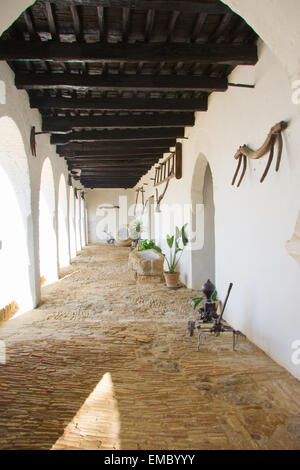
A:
(108, 219)
(14, 104)
(252, 223)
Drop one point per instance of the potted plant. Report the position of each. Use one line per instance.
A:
(176, 245)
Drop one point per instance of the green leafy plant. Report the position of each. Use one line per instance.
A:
(136, 229)
(176, 244)
(148, 245)
(198, 300)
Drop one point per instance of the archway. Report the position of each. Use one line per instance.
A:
(72, 223)
(82, 220)
(47, 232)
(77, 221)
(17, 293)
(63, 232)
(203, 223)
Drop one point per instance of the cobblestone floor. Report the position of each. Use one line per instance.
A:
(105, 363)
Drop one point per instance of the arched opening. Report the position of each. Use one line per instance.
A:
(86, 226)
(72, 223)
(152, 218)
(63, 235)
(17, 293)
(77, 220)
(47, 232)
(82, 221)
(203, 222)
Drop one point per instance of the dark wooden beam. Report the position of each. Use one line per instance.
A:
(100, 15)
(185, 6)
(120, 104)
(149, 24)
(91, 185)
(118, 173)
(173, 20)
(231, 54)
(122, 160)
(113, 179)
(76, 23)
(64, 124)
(199, 23)
(104, 146)
(108, 183)
(118, 135)
(131, 169)
(133, 163)
(121, 173)
(27, 15)
(142, 156)
(136, 167)
(114, 152)
(39, 81)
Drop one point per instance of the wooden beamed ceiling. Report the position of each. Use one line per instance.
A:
(117, 81)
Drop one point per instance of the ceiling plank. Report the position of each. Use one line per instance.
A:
(121, 104)
(149, 25)
(65, 124)
(76, 22)
(32, 81)
(27, 15)
(51, 20)
(231, 54)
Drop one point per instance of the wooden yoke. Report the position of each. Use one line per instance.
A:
(244, 152)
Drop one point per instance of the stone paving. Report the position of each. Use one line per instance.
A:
(105, 363)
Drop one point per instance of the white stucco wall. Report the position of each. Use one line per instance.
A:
(109, 219)
(15, 105)
(10, 10)
(253, 223)
(277, 24)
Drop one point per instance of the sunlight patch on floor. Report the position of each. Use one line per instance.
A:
(97, 423)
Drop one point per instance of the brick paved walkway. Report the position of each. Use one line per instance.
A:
(105, 363)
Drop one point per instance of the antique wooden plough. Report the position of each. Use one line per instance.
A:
(244, 152)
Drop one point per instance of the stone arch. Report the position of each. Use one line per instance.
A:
(82, 220)
(77, 220)
(72, 223)
(17, 277)
(63, 224)
(203, 227)
(47, 225)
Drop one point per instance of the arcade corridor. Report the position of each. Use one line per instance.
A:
(104, 363)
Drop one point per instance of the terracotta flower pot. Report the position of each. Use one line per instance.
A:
(171, 279)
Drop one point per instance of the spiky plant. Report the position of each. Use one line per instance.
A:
(176, 244)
